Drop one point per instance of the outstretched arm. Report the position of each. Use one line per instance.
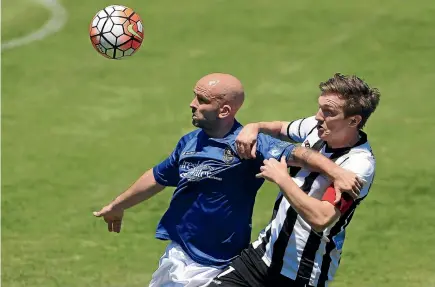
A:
(295, 131)
(149, 184)
(246, 141)
(144, 188)
(277, 129)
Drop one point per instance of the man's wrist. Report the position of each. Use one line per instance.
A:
(334, 173)
(259, 126)
(282, 179)
(115, 206)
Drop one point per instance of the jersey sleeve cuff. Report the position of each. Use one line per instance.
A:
(289, 152)
(158, 178)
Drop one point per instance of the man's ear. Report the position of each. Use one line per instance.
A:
(355, 121)
(225, 111)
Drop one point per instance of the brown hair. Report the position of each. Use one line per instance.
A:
(359, 97)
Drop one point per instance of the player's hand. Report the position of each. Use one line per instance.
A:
(349, 182)
(113, 217)
(273, 170)
(246, 141)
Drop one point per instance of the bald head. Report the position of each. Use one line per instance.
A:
(224, 88)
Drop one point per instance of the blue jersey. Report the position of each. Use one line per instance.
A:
(211, 209)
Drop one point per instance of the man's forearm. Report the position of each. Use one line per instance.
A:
(315, 161)
(276, 129)
(144, 188)
(316, 213)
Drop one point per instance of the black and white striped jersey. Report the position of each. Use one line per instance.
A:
(288, 244)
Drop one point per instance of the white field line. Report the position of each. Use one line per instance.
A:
(55, 24)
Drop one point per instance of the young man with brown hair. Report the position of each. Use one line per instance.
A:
(302, 244)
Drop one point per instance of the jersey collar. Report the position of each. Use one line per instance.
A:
(362, 140)
(229, 138)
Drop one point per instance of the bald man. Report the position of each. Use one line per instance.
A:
(208, 222)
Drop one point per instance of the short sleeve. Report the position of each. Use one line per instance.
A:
(269, 147)
(166, 173)
(363, 164)
(298, 130)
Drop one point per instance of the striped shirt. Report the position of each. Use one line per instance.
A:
(289, 245)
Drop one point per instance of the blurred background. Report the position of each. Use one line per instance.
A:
(78, 129)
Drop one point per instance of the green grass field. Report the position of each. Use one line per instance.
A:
(77, 129)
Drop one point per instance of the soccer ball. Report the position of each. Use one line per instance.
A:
(116, 32)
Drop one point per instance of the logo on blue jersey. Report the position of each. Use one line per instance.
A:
(200, 170)
(228, 155)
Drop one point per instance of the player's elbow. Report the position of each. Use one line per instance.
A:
(324, 219)
(319, 224)
(325, 215)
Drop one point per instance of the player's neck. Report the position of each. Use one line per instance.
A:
(349, 140)
(221, 131)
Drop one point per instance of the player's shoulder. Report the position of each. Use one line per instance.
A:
(361, 159)
(298, 130)
(193, 135)
(305, 121)
(309, 121)
(363, 150)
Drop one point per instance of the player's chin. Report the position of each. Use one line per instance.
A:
(196, 123)
(321, 132)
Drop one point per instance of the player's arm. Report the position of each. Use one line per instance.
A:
(144, 188)
(318, 213)
(149, 184)
(276, 129)
(344, 180)
(295, 132)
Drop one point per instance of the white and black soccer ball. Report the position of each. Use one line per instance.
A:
(116, 32)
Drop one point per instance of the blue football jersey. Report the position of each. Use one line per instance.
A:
(210, 213)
